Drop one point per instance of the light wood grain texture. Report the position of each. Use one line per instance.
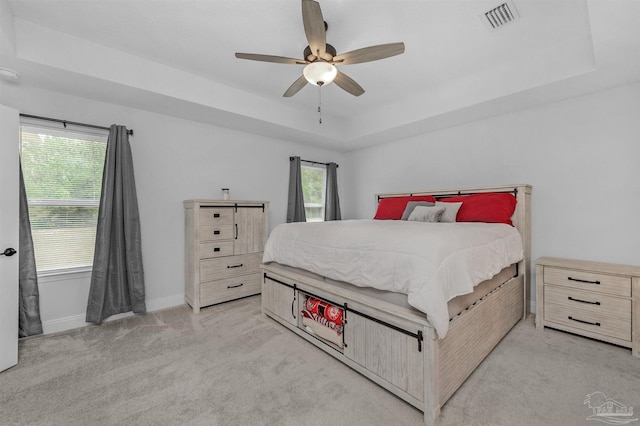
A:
(223, 249)
(280, 301)
(594, 299)
(539, 296)
(427, 376)
(229, 266)
(229, 289)
(250, 238)
(635, 319)
(216, 249)
(215, 216)
(215, 232)
(475, 335)
(588, 281)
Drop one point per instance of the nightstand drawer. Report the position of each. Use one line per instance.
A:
(589, 303)
(229, 266)
(215, 216)
(584, 280)
(596, 322)
(230, 288)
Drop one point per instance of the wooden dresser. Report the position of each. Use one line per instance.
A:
(593, 299)
(223, 249)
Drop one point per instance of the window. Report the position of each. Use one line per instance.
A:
(63, 179)
(314, 183)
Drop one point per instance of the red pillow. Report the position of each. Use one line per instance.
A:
(491, 207)
(393, 207)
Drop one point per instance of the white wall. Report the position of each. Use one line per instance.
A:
(174, 160)
(581, 155)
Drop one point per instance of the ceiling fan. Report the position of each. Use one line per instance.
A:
(321, 59)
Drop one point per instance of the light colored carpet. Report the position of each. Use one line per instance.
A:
(230, 365)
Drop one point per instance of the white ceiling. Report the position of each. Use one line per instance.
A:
(177, 57)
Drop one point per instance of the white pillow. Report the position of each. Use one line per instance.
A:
(451, 211)
(426, 214)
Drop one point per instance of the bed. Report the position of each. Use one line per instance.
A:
(364, 304)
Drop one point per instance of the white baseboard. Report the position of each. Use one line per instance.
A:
(75, 321)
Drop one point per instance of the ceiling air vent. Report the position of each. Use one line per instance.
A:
(500, 15)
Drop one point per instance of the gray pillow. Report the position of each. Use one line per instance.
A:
(426, 214)
(412, 204)
(451, 211)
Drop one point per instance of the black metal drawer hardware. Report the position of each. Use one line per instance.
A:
(583, 301)
(293, 313)
(216, 215)
(235, 206)
(584, 322)
(216, 232)
(216, 249)
(234, 266)
(583, 281)
(235, 286)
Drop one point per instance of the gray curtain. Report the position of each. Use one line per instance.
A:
(295, 205)
(332, 202)
(117, 280)
(29, 323)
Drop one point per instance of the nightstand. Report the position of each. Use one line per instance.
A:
(592, 299)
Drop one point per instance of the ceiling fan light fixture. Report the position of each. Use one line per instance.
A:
(320, 73)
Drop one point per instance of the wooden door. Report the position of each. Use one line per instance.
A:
(250, 229)
(280, 300)
(9, 211)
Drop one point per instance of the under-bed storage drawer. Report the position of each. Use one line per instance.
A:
(281, 299)
(386, 352)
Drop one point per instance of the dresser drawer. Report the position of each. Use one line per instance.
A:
(215, 232)
(216, 249)
(230, 288)
(612, 317)
(584, 280)
(229, 266)
(594, 303)
(215, 216)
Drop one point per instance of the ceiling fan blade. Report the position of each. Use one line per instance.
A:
(295, 87)
(348, 84)
(372, 53)
(314, 27)
(270, 58)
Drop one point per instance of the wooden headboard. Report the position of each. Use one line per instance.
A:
(521, 218)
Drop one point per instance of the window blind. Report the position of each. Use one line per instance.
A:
(314, 183)
(62, 172)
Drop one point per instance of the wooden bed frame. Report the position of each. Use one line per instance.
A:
(396, 346)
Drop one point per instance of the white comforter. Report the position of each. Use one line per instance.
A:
(429, 262)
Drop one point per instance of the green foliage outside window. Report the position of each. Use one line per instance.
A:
(63, 181)
(313, 190)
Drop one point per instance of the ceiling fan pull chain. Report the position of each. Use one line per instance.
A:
(319, 104)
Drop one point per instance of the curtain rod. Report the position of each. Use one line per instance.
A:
(65, 122)
(312, 162)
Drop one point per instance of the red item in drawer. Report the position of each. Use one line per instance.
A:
(325, 310)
